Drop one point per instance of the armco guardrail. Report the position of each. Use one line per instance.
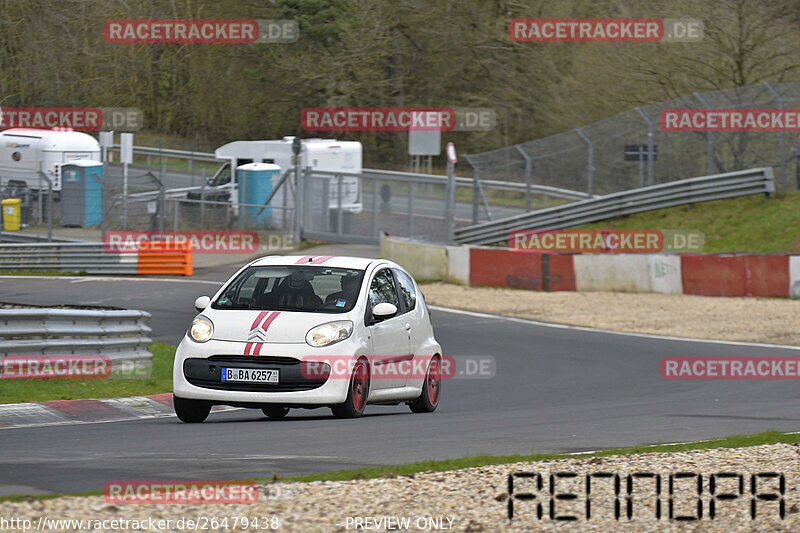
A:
(15, 236)
(120, 335)
(688, 191)
(94, 258)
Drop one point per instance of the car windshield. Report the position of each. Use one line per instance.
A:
(293, 288)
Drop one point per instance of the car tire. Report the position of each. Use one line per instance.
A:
(191, 411)
(275, 412)
(357, 393)
(428, 399)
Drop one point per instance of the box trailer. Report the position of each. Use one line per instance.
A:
(26, 152)
(318, 154)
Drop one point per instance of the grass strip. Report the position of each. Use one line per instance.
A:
(41, 390)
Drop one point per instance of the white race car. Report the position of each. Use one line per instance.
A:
(310, 331)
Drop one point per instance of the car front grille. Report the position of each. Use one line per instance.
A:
(206, 373)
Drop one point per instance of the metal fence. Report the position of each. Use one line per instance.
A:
(611, 155)
(405, 203)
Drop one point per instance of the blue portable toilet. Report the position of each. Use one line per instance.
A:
(82, 193)
(255, 182)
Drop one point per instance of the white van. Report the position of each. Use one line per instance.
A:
(26, 152)
(319, 154)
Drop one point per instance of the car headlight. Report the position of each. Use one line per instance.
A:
(329, 333)
(202, 329)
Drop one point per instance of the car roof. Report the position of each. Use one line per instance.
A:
(360, 263)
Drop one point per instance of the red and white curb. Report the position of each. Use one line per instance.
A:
(58, 412)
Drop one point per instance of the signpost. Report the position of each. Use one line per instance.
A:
(297, 147)
(126, 157)
(424, 143)
(639, 152)
(451, 190)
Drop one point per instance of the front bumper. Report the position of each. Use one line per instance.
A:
(206, 373)
(197, 374)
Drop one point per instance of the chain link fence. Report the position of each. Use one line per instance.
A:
(611, 155)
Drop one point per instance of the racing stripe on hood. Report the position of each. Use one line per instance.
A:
(313, 259)
(265, 326)
(263, 321)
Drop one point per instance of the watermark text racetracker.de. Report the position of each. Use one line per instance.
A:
(72, 367)
(55, 367)
(604, 30)
(73, 118)
(194, 31)
(143, 523)
(203, 241)
(730, 120)
(398, 119)
(181, 492)
(730, 368)
(399, 366)
(595, 241)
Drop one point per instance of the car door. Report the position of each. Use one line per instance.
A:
(389, 338)
(407, 292)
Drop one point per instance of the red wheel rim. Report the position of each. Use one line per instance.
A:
(359, 386)
(434, 382)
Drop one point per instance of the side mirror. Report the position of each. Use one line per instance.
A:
(202, 302)
(384, 310)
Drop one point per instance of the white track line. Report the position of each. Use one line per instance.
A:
(84, 279)
(609, 331)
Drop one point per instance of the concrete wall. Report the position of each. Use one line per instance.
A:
(424, 261)
(628, 273)
(766, 275)
(457, 265)
(794, 276)
(427, 261)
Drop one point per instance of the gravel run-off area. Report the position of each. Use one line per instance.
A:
(767, 320)
(477, 499)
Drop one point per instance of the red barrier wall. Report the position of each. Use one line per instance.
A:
(499, 267)
(735, 275)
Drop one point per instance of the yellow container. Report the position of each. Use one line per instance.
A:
(12, 214)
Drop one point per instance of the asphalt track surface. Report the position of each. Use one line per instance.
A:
(556, 389)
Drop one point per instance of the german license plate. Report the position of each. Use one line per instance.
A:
(250, 375)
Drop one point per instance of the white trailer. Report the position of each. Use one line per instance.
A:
(318, 154)
(26, 152)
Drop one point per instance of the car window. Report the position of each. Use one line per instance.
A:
(293, 288)
(382, 289)
(407, 291)
(248, 287)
